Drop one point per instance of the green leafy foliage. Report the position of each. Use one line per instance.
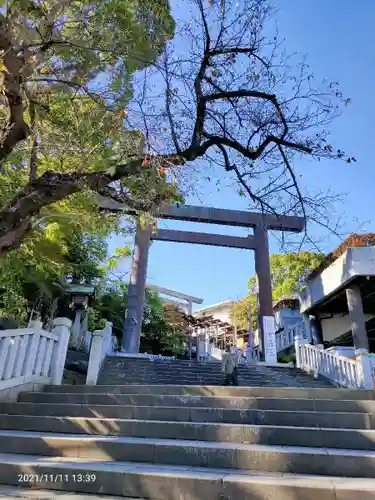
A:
(32, 281)
(110, 306)
(78, 59)
(288, 275)
(164, 330)
(289, 272)
(73, 42)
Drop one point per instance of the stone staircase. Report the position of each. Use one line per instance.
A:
(120, 371)
(171, 442)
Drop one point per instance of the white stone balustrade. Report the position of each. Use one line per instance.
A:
(215, 353)
(101, 346)
(252, 355)
(286, 337)
(87, 341)
(33, 355)
(343, 371)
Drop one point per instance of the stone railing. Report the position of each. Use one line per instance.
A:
(252, 355)
(343, 371)
(215, 353)
(286, 337)
(86, 341)
(101, 346)
(33, 355)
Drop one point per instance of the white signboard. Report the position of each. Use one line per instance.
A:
(269, 328)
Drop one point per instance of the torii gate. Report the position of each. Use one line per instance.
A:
(189, 299)
(258, 242)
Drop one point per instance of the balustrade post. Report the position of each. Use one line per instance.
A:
(96, 356)
(61, 327)
(31, 351)
(364, 368)
(297, 343)
(12, 354)
(307, 327)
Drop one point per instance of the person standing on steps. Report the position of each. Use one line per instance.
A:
(229, 365)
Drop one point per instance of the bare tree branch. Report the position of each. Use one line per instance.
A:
(223, 93)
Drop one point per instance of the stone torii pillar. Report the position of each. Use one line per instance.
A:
(137, 289)
(263, 276)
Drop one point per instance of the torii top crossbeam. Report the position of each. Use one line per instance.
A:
(173, 293)
(226, 217)
(239, 218)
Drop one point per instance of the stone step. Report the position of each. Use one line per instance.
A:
(188, 370)
(218, 383)
(157, 482)
(299, 404)
(179, 375)
(113, 380)
(134, 375)
(254, 457)
(150, 365)
(123, 371)
(146, 363)
(126, 378)
(243, 383)
(219, 380)
(198, 390)
(193, 370)
(359, 439)
(279, 381)
(195, 414)
(16, 492)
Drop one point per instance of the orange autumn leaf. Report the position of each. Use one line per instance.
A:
(353, 240)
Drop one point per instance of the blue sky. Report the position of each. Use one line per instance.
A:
(339, 42)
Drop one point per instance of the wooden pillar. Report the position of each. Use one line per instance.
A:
(136, 293)
(263, 275)
(316, 329)
(357, 317)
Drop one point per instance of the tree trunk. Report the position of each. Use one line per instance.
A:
(17, 218)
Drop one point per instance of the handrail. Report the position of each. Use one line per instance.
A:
(343, 371)
(33, 354)
(286, 337)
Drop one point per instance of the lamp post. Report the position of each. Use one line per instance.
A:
(80, 289)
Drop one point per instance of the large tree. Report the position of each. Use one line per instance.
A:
(32, 279)
(66, 69)
(288, 277)
(222, 91)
